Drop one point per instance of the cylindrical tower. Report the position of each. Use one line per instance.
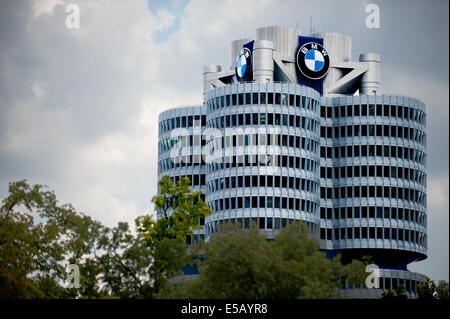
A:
(207, 71)
(373, 181)
(370, 82)
(180, 148)
(263, 65)
(285, 43)
(265, 165)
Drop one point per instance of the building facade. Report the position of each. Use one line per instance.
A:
(294, 130)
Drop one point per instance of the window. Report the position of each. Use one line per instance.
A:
(364, 110)
(284, 99)
(262, 223)
(241, 98)
(255, 118)
(247, 202)
(349, 111)
(277, 98)
(379, 110)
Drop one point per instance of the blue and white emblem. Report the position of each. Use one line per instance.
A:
(243, 64)
(313, 60)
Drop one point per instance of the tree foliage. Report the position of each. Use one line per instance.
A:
(399, 293)
(37, 238)
(241, 263)
(429, 291)
(181, 211)
(442, 290)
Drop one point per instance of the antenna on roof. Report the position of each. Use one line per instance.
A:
(311, 28)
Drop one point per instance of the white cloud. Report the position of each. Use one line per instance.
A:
(44, 6)
(164, 19)
(438, 192)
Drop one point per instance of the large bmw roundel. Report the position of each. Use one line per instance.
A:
(243, 63)
(313, 60)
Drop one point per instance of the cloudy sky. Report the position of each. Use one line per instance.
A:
(79, 107)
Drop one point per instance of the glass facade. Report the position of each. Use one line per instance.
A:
(352, 167)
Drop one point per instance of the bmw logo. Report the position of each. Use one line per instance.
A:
(243, 63)
(313, 60)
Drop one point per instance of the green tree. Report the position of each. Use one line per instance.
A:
(181, 211)
(442, 290)
(399, 293)
(124, 264)
(426, 290)
(38, 238)
(241, 263)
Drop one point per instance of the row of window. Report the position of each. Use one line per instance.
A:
(389, 151)
(390, 111)
(182, 121)
(263, 181)
(185, 141)
(373, 130)
(405, 173)
(196, 179)
(398, 213)
(234, 120)
(398, 111)
(373, 233)
(263, 202)
(262, 98)
(388, 192)
(387, 283)
(264, 160)
(392, 283)
(261, 222)
(180, 161)
(235, 140)
(298, 142)
(240, 161)
(269, 139)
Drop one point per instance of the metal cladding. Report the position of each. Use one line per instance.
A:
(327, 148)
(370, 82)
(263, 65)
(285, 42)
(339, 47)
(285, 39)
(209, 70)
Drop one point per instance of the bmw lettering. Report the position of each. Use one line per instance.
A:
(313, 60)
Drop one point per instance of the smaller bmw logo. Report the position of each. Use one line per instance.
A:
(243, 63)
(313, 60)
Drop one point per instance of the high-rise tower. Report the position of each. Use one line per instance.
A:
(294, 129)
